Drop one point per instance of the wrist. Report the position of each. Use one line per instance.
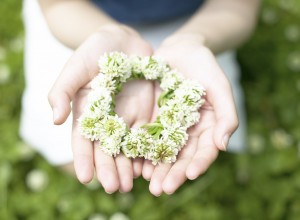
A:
(118, 28)
(190, 38)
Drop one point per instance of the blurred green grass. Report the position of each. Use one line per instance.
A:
(264, 183)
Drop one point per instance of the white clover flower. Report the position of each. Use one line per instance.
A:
(110, 145)
(99, 102)
(171, 114)
(153, 67)
(137, 67)
(193, 85)
(164, 151)
(113, 126)
(137, 143)
(89, 126)
(105, 81)
(111, 131)
(190, 94)
(115, 64)
(191, 119)
(177, 135)
(171, 80)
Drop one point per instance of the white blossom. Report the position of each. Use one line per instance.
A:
(110, 145)
(137, 143)
(99, 102)
(171, 80)
(177, 135)
(137, 66)
(191, 119)
(113, 126)
(115, 64)
(89, 126)
(164, 151)
(171, 114)
(105, 81)
(190, 94)
(153, 67)
(112, 129)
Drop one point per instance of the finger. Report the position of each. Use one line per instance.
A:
(124, 168)
(227, 120)
(137, 163)
(106, 171)
(140, 48)
(177, 174)
(205, 155)
(158, 176)
(83, 156)
(148, 169)
(82, 147)
(74, 76)
(78, 71)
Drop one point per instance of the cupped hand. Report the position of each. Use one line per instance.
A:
(218, 115)
(134, 104)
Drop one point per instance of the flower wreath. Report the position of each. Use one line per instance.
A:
(159, 141)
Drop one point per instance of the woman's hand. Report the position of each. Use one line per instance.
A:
(218, 116)
(134, 104)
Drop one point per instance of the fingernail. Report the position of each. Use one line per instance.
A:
(225, 142)
(109, 192)
(55, 114)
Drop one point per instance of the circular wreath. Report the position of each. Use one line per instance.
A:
(159, 141)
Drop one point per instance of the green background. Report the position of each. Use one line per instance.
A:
(263, 183)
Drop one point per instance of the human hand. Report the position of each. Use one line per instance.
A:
(218, 115)
(134, 104)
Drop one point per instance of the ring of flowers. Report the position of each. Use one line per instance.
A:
(159, 141)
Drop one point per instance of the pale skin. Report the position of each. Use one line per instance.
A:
(218, 26)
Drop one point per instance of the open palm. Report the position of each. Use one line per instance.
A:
(218, 117)
(134, 104)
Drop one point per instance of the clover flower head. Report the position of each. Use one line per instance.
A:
(190, 94)
(153, 67)
(171, 114)
(191, 119)
(115, 64)
(163, 151)
(193, 86)
(111, 145)
(178, 136)
(112, 130)
(99, 103)
(90, 126)
(137, 66)
(113, 126)
(104, 81)
(170, 80)
(137, 143)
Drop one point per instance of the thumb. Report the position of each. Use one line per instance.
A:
(74, 76)
(227, 122)
(223, 131)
